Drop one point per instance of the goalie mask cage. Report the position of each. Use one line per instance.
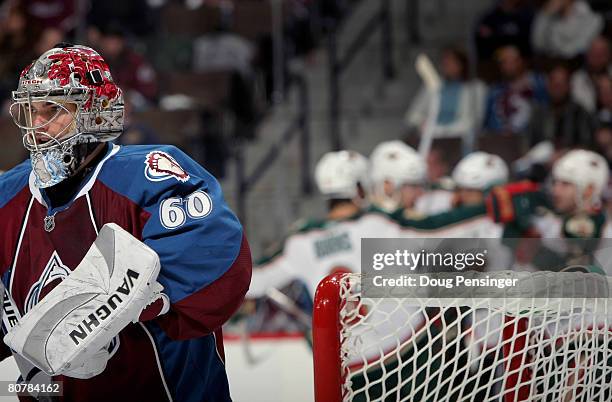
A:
(450, 350)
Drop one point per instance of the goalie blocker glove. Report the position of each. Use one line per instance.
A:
(68, 331)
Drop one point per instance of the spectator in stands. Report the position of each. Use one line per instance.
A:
(223, 51)
(438, 164)
(16, 38)
(603, 140)
(137, 17)
(460, 111)
(300, 28)
(59, 14)
(135, 132)
(509, 23)
(510, 102)
(604, 98)
(562, 121)
(130, 70)
(565, 28)
(598, 63)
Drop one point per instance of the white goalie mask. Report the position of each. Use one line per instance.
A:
(583, 168)
(338, 174)
(64, 99)
(397, 164)
(480, 171)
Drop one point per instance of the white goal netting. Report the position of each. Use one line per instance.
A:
(477, 349)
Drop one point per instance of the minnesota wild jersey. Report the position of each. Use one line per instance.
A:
(318, 248)
(460, 222)
(588, 231)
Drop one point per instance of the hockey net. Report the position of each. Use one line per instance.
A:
(449, 350)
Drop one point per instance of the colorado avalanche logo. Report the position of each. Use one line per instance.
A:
(161, 166)
(55, 270)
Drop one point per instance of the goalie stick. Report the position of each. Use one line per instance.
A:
(288, 306)
(432, 81)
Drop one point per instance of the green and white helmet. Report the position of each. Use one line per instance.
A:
(583, 168)
(480, 171)
(338, 174)
(396, 162)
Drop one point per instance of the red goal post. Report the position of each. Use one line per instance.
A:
(326, 340)
(459, 350)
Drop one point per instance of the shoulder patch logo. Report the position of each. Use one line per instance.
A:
(161, 166)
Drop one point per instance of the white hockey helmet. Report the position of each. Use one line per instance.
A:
(337, 174)
(583, 168)
(480, 171)
(396, 162)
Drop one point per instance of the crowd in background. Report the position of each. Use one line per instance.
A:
(147, 43)
(541, 71)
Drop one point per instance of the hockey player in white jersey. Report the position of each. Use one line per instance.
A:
(319, 247)
(571, 210)
(398, 177)
(570, 230)
(475, 175)
(579, 179)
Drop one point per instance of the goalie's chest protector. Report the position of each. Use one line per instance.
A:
(41, 247)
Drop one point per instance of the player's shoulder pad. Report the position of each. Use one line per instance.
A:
(143, 172)
(13, 181)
